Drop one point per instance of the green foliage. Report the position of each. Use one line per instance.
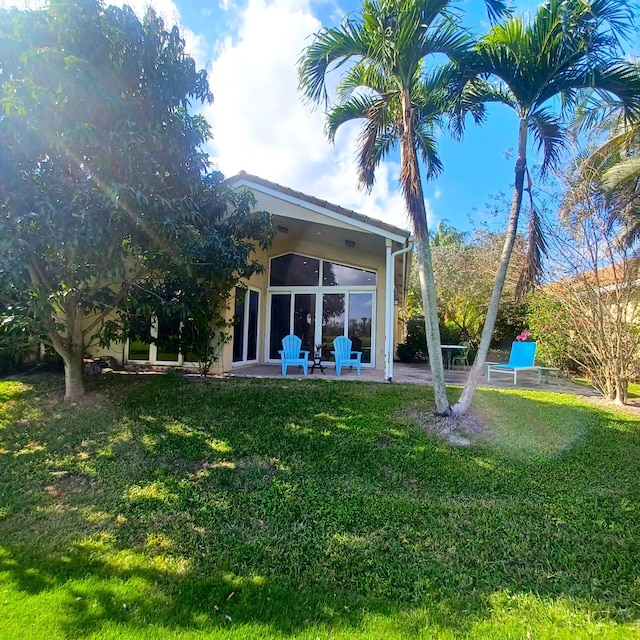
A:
(15, 347)
(512, 319)
(550, 323)
(164, 508)
(102, 167)
(464, 267)
(193, 295)
(415, 346)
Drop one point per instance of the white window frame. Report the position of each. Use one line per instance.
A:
(153, 352)
(245, 341)
(319, 291)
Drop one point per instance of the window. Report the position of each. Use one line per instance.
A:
(338, 275)
(293, 270)
(318, 309)
(164, 346)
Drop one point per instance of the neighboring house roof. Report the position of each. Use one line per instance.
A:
(620, 274)
(247, 179)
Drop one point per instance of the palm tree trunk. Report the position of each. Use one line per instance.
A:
(414, 199)
(464, 402)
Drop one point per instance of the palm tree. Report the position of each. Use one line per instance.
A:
(613, 169)
(567, 47)
(401, 103)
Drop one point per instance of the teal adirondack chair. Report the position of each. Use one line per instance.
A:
(291, 354)
(521, 359)
(344, 356)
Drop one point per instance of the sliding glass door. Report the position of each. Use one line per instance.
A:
(245, 329)
(318, 301)
(292, 313)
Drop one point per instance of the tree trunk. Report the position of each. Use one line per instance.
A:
(432, 326)
(414, 199)
(70, 347)
(464, 402)
(73, 375)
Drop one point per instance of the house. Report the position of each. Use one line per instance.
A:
(330, 271)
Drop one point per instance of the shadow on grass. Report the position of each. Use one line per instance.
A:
(197, 506)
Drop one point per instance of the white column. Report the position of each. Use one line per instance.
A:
(388, 314)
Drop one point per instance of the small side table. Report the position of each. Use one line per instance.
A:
(317, 362)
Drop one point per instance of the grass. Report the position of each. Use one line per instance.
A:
(164, 509)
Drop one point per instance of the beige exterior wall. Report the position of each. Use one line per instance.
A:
(324, 235)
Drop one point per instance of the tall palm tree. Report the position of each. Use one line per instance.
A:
(401, 103)
(567, 47)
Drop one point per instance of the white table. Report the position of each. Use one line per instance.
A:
(447, 352)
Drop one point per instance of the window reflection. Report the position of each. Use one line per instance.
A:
(360, 317)
(338, 275)
(293, 270)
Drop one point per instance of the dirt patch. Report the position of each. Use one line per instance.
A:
(456, 430)
(67, 484)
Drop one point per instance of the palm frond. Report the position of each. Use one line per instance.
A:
(537, 248)
(331, 48)
(549, 135)
(427, 145)
(623, 172)
(365, 74)
(356, 108)
(372, 151)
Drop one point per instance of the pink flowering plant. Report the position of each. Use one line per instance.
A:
(524, 336)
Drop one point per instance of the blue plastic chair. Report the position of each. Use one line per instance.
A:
(292, 354)
(521, 358)
(344, 356)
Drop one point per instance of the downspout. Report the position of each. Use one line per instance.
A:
(389, 319)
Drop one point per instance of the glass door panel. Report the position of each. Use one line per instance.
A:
(139, 348)
(304, 319)
(332, 320)
(360, 318)
(168, 340)
(252, 326)
(280, 322)
(238, 325)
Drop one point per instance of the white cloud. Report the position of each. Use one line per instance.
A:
(261, 125)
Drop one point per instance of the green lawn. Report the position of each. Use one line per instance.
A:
(164, 509)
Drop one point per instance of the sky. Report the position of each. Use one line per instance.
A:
(261, 125)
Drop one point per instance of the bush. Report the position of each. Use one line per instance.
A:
(511, 321)
(415, 347)
(551, 327)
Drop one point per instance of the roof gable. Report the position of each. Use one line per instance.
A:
(328, 209)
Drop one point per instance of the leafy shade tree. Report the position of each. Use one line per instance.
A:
(464, 266)
(401, 102)
(191, 296)
(101, 171)
(525, 64)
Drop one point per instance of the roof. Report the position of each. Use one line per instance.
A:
(317, 202)
(619, 274)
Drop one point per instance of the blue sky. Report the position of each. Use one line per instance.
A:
(261, 125)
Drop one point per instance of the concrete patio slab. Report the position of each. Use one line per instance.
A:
(417, 374)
